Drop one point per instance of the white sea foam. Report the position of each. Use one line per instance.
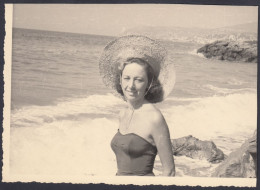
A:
(64, 148)
(188, 167)
(82, 146)
(214, 116)
(194, 52)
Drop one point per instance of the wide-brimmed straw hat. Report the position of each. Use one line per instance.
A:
(124, 48)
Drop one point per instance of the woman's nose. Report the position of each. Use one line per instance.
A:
(131, 84)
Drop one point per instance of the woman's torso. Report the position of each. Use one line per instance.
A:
(134, 154)
(133, 143)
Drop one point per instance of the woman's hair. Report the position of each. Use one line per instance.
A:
(154, 89)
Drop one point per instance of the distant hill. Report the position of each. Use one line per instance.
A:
(247, 28)
(243, 32)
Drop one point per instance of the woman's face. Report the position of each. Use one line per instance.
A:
(134, 81)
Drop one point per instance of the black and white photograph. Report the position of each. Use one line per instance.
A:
(158, 93)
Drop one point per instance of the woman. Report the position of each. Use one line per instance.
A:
(135, 67)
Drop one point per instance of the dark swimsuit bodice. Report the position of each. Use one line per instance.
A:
(134, 154)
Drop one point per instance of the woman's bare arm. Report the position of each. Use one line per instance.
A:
(161, 136)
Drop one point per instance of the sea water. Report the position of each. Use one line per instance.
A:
(63, 117)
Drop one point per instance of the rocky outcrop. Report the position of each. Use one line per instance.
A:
(231, 51)
(194, 148)
(252, 149)
(240, 163)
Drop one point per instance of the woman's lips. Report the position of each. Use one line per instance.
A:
(131, 93)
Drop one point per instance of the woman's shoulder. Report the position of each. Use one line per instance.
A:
(158, 125)
(153, 113)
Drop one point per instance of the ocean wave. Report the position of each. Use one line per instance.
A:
(214, 116)
(66, 108)
(232, 113)
(82, 146)
(225, 91)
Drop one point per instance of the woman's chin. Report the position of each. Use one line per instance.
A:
(134, 100)
(131, 98)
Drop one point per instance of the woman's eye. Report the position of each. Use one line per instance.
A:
(139, 80)
(126, 78)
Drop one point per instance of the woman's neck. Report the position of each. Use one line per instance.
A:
(136, 104)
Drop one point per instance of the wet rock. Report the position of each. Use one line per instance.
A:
(252, 149)
(231, 51)
(240, 163)
(194, 148)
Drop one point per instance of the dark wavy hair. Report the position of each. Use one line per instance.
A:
(154, 93)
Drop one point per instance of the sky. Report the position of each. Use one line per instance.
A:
(113, 19)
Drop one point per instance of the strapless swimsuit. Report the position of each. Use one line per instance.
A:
(134, 154)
